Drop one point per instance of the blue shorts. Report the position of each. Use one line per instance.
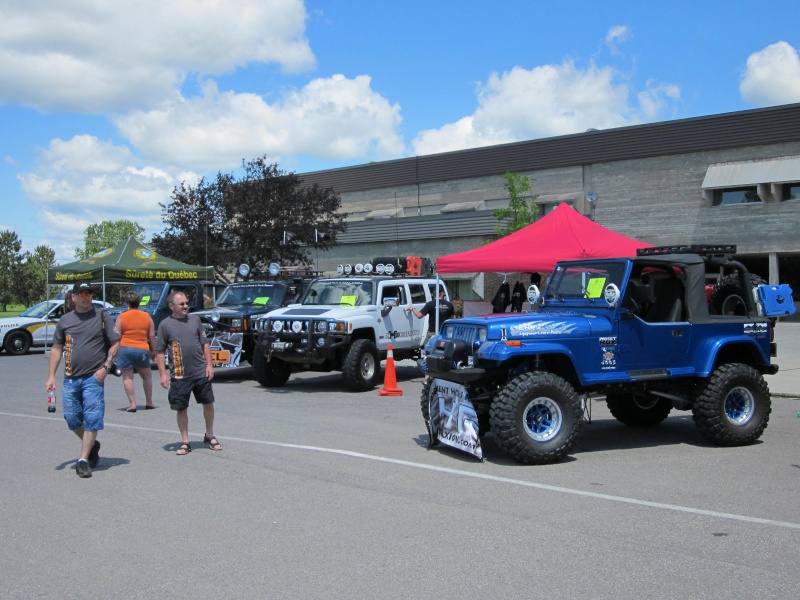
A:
(133, 358)
(84, 403)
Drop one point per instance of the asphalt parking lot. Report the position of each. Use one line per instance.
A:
(320, 493)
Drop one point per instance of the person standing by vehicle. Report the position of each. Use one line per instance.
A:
(446, 310)
(137, 348)
(90, 343)
(191, 371)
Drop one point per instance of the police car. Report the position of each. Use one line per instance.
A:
(34, 327)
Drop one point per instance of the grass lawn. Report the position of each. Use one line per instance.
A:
(13, 310)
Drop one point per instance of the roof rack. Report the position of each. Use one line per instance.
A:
(719, 250)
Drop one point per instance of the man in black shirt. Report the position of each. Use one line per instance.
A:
(446, 310)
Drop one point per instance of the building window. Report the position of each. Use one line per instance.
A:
(791, 191)
(741, 195)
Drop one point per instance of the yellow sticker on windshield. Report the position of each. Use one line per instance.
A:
(348, 301)
(594, 289)
(144, 300)
(261, 300)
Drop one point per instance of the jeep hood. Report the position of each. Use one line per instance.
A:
(537, 325)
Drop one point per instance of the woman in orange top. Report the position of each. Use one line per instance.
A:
(136, 349)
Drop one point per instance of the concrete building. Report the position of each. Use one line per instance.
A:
(732, 178)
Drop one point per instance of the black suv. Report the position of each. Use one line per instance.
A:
(228, 324)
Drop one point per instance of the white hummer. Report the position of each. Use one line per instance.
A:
(347, 323)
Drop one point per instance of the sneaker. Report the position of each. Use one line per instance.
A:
(83, 469)
(94, 454)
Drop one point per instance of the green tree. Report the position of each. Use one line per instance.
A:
(31, 281)
(232, 221)
(99, 236)
(10, 261)
(522, 209)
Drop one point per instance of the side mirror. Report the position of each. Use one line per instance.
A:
(388, 304)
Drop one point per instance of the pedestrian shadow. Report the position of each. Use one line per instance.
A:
(105, 463)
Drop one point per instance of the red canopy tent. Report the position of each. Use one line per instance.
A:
(564, 234)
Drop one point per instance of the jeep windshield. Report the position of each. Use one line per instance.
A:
(256, 294)
(342, 292)
(584, 281)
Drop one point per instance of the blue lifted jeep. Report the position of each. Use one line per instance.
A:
(637, 331)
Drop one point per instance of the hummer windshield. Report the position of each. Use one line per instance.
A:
(255, 294)
(585, 281)
(344, 292)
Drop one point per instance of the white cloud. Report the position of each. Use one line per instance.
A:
(772, 76)
(546, 101)
(331, 118)
(615, 35)
(85, 180)
(98, 57)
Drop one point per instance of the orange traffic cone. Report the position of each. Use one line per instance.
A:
(390, 377)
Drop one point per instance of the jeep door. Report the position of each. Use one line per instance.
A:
(398, 320)
(646, 345)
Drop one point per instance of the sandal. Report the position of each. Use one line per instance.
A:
(183, 449)
(212, 442)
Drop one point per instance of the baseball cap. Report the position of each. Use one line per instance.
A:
(81, 286)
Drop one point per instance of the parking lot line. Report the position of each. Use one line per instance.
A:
(460, 473)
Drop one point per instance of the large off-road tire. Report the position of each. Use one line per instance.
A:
(727, 297)
(536, 418)
(733, 408)
(17, 343)
(361, 368)
(274, 373)
(638, 410)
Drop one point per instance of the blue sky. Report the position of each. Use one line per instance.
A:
(106, 106)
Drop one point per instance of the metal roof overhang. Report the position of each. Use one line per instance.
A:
(776, 170)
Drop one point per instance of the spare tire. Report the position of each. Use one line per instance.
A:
(727, 297)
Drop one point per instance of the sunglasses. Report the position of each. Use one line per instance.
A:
(86, 293)
(180, 304)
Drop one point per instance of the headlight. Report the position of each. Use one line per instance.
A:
(236, 322)
(338, 327)
(297, 326)
(448, 332)
(321, 326)
(482, 334)
(320, 341)
(277, 326)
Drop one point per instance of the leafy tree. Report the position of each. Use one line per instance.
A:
(195, 223)
(31, 281)
(522, 210)
(99, 236)
(10, 261)
(244, 220)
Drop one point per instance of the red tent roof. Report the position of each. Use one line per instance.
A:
(564, 234)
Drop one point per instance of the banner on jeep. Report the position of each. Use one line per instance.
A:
(452, 419)
(226, 349)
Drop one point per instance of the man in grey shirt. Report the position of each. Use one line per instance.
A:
(191, 371)
(89, 342)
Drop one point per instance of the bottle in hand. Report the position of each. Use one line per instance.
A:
(51, 401)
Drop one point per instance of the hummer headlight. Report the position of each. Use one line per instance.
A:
(321, 326)
(297, 326)
(277, 326)
(236, 322)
